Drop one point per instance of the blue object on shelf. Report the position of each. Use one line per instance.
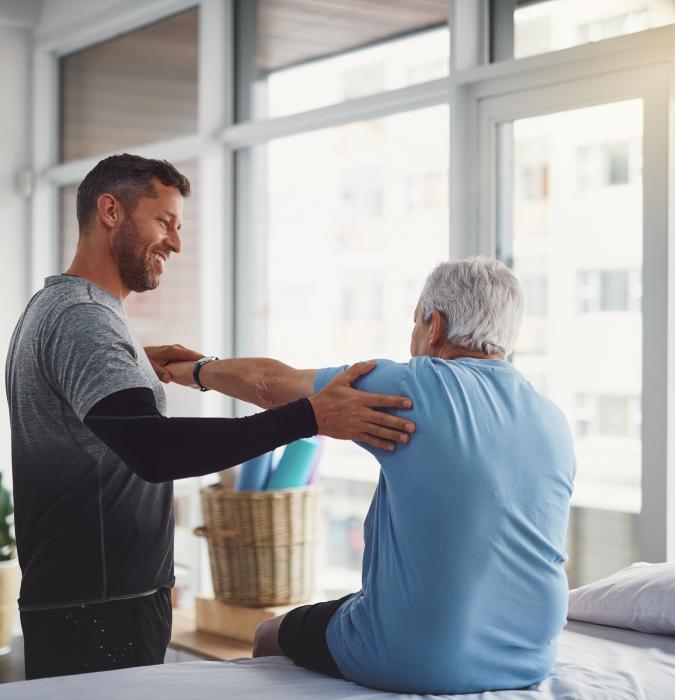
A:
(255, 473)
(314, 473)
(295, 465)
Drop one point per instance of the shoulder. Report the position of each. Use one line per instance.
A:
(391, 375)
(385, 376)
(390, 368)
(84, 323)
(86, 315)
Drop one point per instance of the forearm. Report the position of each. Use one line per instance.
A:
(260, 381)
(162, 449)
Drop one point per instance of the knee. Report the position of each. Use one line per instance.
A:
(260, 640)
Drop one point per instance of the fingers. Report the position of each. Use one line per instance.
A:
(401, 425)
(177, 353)
(369, 439)
(385, 401)
(388, 433)
(162, 373)
(351, 374)
(164, 354)
(185, 354)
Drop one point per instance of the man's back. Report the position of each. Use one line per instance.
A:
(464, 586)
(88, 529)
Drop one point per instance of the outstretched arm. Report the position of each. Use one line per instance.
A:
(341, 411)
(257, 380)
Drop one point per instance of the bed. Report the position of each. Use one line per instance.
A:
(594, 662)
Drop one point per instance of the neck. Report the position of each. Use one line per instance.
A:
(454, 352)
(97, 266)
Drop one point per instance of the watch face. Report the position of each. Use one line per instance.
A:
(197, 367)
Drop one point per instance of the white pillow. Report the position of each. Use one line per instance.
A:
(640, 597)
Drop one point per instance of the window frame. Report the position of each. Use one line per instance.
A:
(633, 66)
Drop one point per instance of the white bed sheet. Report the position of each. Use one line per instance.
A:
(594, 663)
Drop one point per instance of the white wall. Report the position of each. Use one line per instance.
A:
(58, 14)
(19, 13)
(15, 53)
(19, 19)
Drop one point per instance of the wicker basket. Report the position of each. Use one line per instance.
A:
(261, 544)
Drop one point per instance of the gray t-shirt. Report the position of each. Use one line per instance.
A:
(88, 529)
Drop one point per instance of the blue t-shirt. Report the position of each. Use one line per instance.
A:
(463, 586)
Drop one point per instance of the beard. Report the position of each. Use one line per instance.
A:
(134, 261)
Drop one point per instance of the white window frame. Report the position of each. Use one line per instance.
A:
(635, 66)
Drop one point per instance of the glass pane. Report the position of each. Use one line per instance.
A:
(170, 313)
(356, 217)
(137, 88)
(575, 241)
(301, 55)
(557, 24)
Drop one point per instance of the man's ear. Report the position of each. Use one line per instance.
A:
(438, 329)
(109, 210)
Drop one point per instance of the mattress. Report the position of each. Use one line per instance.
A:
(594, 663)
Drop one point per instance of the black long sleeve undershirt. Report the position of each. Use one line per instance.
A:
(162, 449)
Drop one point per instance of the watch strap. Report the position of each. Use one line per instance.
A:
(196, 369)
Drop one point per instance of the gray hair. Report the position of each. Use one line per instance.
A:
(481, 300)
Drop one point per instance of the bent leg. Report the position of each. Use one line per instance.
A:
(267, 638)
(301, 635)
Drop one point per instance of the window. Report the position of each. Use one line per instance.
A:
(607, 415)
(333, 258)
(361, 194)
(361, 296)
(342, 50)
(582, 327)
(558, 24)
(533, 341)
(606, 165)
(535, 291)
(137, 88)
(608, 290)
(345, 502)
(531, 183)
(362, 80)
(427, 191)
(626, 23)
(337, 219)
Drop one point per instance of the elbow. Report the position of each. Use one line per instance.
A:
(152, 478)
(268, 390)
(146, 470)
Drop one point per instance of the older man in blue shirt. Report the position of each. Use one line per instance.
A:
(464, 587)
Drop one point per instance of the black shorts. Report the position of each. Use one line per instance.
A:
(302, 636)
(97, 636)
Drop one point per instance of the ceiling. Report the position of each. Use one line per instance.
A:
(295, 31)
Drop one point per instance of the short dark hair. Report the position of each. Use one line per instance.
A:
(128, 178)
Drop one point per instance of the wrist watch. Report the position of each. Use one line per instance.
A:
(197, 369)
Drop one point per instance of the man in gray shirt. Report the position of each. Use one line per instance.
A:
(93, 454)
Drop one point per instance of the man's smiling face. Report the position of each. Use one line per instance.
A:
(146, 238)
